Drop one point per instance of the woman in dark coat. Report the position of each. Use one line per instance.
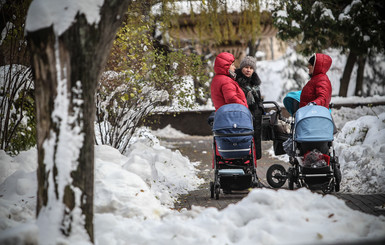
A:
(249, 81)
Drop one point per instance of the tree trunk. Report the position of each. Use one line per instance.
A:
(344, 82)
(66, 70)
(253, 47)
(360, 75)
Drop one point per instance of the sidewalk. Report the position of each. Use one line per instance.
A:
(198, 148)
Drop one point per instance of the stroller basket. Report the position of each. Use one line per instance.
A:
(236, 182)
(234, 179)
(233, 131)
(315, 178)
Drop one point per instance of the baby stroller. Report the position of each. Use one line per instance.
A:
(274, 127)
(233, 150)
(311, 154)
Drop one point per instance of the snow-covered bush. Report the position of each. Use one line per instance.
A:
(141, 74)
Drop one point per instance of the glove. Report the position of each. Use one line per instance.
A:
(312, 103)
(255, 90)
(250, 99)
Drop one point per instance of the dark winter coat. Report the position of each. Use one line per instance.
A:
(224, 90)
(250, 87)
(319, 88)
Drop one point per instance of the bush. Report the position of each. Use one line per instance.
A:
(140, 76)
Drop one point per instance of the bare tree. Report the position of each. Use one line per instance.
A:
(66, 68)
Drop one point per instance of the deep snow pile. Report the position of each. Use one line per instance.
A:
(360, 147)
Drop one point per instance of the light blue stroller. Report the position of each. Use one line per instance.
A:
(310, 149)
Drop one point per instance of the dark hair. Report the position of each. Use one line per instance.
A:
(311, 60)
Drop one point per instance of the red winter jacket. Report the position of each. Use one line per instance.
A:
(224, 90)
(319, 88)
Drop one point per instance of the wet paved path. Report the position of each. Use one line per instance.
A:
(198, 148)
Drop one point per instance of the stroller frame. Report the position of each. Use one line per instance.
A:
(327, 178)
(233, 150)
(233, 174)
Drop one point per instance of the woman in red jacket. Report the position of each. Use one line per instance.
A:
(224, 90)
(318, 90)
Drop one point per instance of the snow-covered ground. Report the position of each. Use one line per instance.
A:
(134, 195)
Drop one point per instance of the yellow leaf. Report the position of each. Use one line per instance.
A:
(124, 97)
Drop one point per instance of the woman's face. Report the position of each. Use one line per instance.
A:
(232, 67)
(311, 69)
(247, 71)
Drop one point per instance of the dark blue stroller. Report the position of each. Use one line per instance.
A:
(233, 150)
(310, 149)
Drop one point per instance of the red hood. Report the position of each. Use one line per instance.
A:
(222, 63)
(322, 64)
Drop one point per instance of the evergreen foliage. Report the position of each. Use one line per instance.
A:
(355, 27)
(345, 24)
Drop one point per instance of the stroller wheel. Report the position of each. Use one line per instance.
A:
(328, 188)
(217, 190)
(338, 177)
(291, 178)
(211, 189)
(291, 184)
(276, 175)
(337, 187)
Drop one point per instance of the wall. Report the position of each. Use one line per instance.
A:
(189, 122)
(195, 122)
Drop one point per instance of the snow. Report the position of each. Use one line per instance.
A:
(134, 195)
(135, 192)
(61, 14)
(4, 32)
(361, 150)
(186, 7)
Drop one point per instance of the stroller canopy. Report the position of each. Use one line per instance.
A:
(313, 124)
(235, 117)
(233, 131)
(291, 101)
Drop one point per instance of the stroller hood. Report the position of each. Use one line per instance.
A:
(233, 131)
(313, 124)
(291, 101)
(233, 116)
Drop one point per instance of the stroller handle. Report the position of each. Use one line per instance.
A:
(280, 117)
(234, 135)
(275, 105)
